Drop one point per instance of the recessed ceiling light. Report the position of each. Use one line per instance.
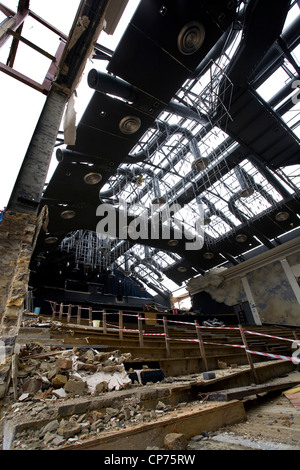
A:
(191, 38)
(129, 124)
(282, 216)
(241, 238)
(160, 201)
(246, 192)
(88, 265)
(50, 240)
(200, 164)
(173, 242)
(208, 255)
(182, 269)
(68, 214)
(92, 178)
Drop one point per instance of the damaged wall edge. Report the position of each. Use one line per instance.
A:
(18, 226)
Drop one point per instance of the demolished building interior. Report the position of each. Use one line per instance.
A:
(179, 181)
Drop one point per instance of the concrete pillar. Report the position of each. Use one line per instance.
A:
(250, 299)
(19, 228)
(291, 278)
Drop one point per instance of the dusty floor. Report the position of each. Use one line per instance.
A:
(273, 423)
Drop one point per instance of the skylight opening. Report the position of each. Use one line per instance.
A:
(273, 84)
(292, 119)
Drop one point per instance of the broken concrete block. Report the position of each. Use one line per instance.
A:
(32, 385)
(175, 441)
(63, 363)
(75, 386)
(52, 426)
(160, 405)
(102, 387)
(49, 436)
(209, 375)
(59, 381)
(68, 429)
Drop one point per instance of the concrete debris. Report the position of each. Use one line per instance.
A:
(76, 428)
(48, 376)
(175, 441)
(79, 371)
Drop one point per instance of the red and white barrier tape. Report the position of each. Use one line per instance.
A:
(154, 334)
(268, 336)
(295, 360)
(197, 326)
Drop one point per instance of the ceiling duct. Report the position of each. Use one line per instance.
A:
(105, 83)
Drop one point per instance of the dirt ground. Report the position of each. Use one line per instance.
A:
(273, 423)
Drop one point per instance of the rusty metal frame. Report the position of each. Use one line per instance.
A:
(15, 32)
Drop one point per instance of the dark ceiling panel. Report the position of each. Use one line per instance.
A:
(265, 134)
(165, 42)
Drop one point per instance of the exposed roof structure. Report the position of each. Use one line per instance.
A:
(187, 155)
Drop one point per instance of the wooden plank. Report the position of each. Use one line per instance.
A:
(242, 392)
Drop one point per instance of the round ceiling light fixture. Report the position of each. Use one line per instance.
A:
(92, 178)
(158, 201)
(282, 216)
(208, 255)
(51, 240)
(241, 238)
(182, 269)
(173, 242)
(88, 265)
(200, 164)
(40, 257)
(191, 38)
(68, 214)
(246, 192)
(129, 124)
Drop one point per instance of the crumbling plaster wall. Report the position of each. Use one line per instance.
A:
(17, 236)
(273, 295)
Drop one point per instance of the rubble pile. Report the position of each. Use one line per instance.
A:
(67, 373)
(62, 431)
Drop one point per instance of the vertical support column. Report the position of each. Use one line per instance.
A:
(250, 362)
(61, 307)
(165, 321)
(291, 278)
(78, 315)
(201, 345)
(29, 185)
(69, 313)
(250, 298)
(140, 328)
(104, 321)
(90, 316)
(54, 311)
(121, 324)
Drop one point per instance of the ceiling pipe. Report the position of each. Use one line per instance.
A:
(111, 85)
(108, 84)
